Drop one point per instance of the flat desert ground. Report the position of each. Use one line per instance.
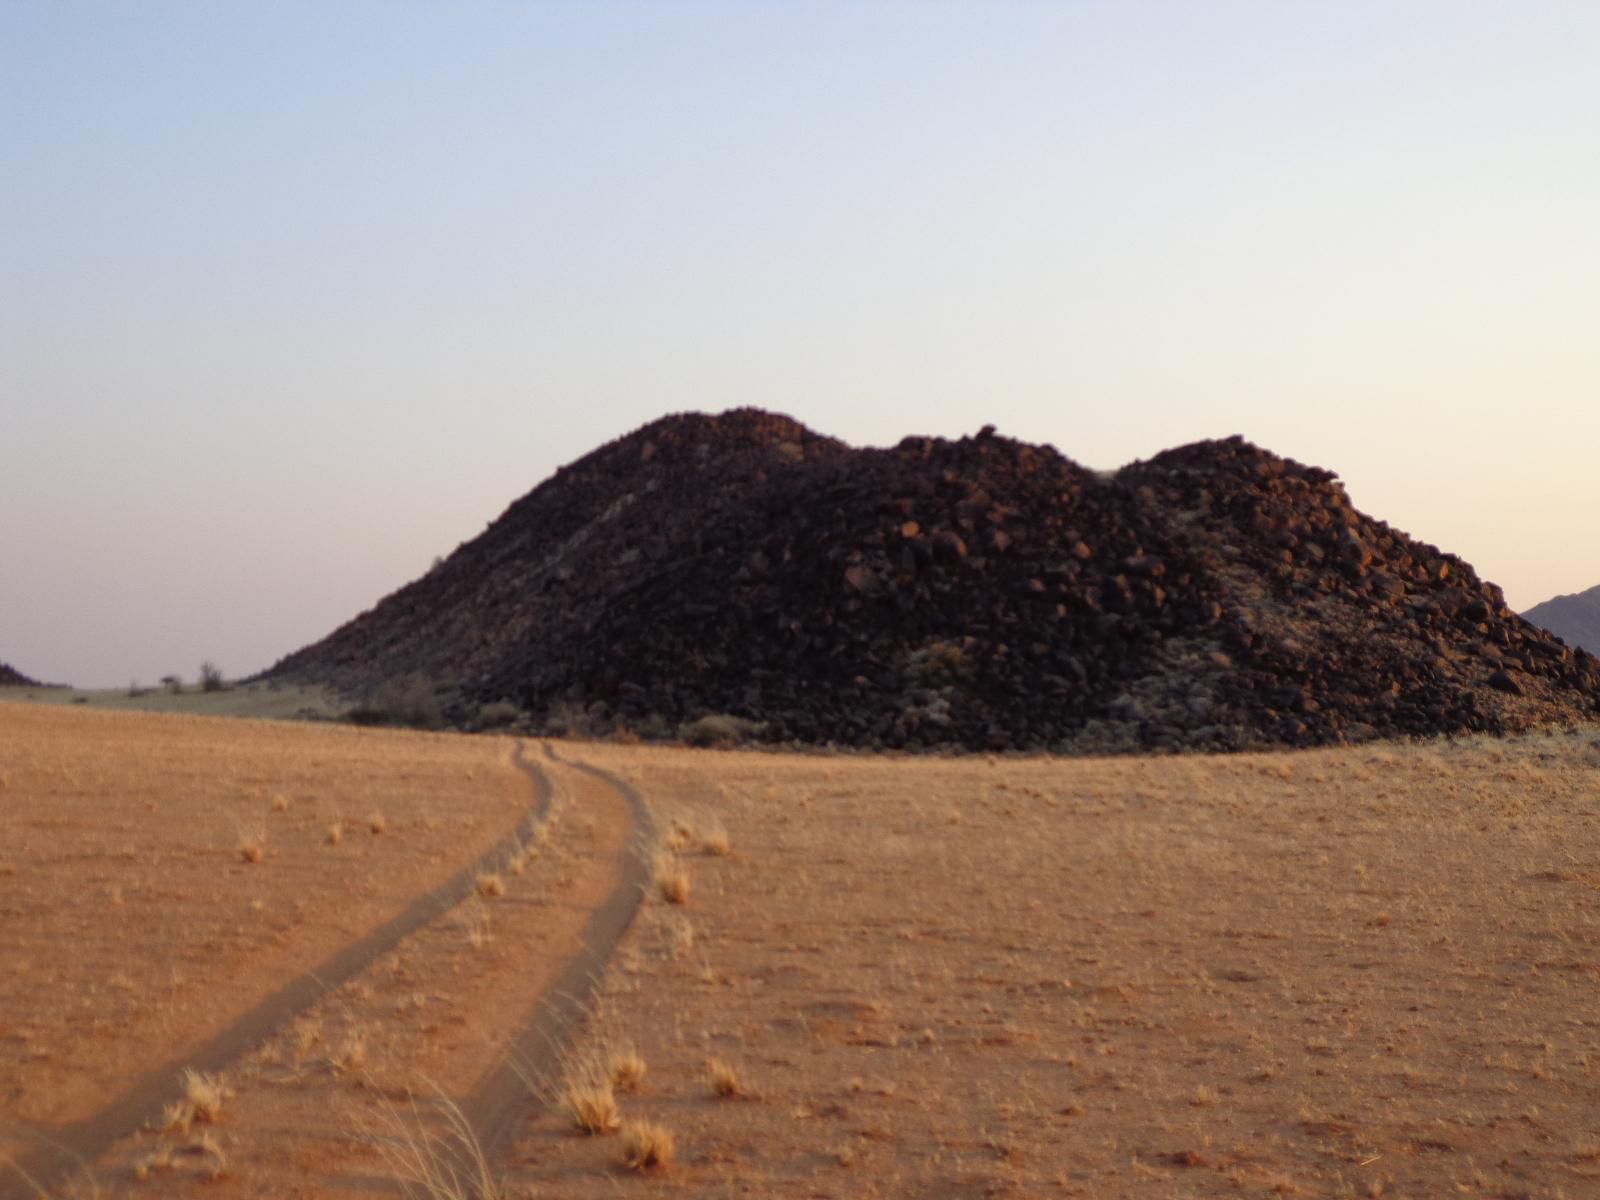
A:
(1356, 972)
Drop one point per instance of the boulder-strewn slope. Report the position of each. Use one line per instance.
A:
(983, 593)
(11, 677)
(1575, 619)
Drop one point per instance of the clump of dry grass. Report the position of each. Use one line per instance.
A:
(207, 1144)
(672, 881)
(591, 1103)
(449, 1166)
(716, 842)
(351, 1055)
(376, 822)
(202, 1095)
(252, 846)
(678, 835)
(724, 1079)
(280, 803)
(627, 1070)
(646, 1146)
(475, 917)
(335, 834)
(491, 884)
(159, 1159)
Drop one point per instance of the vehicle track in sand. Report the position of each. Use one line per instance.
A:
(594, 911)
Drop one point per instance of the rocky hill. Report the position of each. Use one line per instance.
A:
(982, 593)
(11, 677)
(1575, 619)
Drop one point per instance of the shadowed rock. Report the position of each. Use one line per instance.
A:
(983, 593)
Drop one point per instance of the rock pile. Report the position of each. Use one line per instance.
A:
(982, 593)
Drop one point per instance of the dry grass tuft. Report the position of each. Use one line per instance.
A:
(627, 1070)
(157, 1160)
(351, 1055)
(204, 1094)
(475, 918)
(335, 834)
(716, 841)
(280, 803)
(207, 1144)
(448, 1166)
(646, 1146)
(490, 885)
(375, 821)
(675, 888)
(591, 1104)
(678, 836)
(671, 880)
(724, 1079)
(252, 846)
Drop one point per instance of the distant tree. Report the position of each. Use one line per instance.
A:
(173, 683)
(210, 677)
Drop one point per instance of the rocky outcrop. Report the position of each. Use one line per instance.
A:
(11, 677)
(982, 593)
(1575, 619)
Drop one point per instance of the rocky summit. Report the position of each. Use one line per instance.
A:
(983, 593)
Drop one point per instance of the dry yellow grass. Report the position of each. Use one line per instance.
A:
(724, 1079)
(204, 1095)
(672, 880)
(627, 1070)
(490, 885)
(591, 1104)
(646, 1146)
(716, 841)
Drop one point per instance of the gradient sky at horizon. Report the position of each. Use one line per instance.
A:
(296, 296)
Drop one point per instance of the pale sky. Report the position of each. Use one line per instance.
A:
(296, 296)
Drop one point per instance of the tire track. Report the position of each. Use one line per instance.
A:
(500, 1103)
(64, 1149)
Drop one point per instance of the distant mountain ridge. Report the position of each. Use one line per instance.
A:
(983, 593)
(1575, 619)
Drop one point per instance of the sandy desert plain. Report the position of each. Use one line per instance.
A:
(248, 958)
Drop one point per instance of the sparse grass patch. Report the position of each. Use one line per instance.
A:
(672, 881)
(724, 1079)
(280, 803)
(646, 1146)
(448, 1166)
(375, 822)
(675, 887)
(252, 846)
(627, 1070)
(475, 917)
(591, 1104)
(491, 885)
(716, 841)
(350, 1056)
(204, 1094)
